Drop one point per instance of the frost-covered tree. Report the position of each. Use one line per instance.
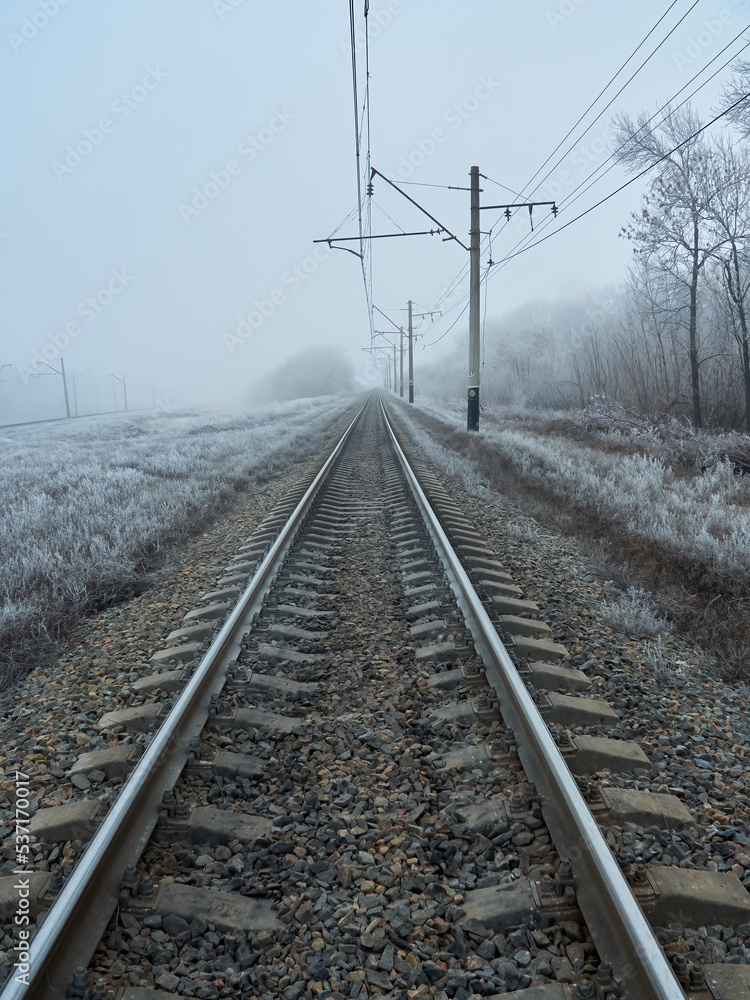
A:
(735, 100)
(316, 371)
(730, 225)
(673, 229)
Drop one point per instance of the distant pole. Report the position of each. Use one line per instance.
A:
(75, 395)
(401, 380)
(472, 420)
(395, 376)
(65, 387)
(117, 378)
(58, 371)
(411, 358)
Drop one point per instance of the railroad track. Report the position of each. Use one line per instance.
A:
(358, 789)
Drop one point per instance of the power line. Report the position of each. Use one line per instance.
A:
(603, 91)
(356, 115)
(463, 270)
(606, 87)
(577, 193)
(613, 156)
(516, 194)
(629, 182)
(525, 239)
(368, 280)
(448, 330)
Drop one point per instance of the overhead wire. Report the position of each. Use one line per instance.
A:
(353, 41)
(606, 87)
(365, 249)
(610, 102)
(381, 209)
(632, 180)
(591, 177)
(438, 339)
(527, 237)
(345, 221)
(368, 278)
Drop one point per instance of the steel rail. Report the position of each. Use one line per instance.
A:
(621, 932)
(78, 917)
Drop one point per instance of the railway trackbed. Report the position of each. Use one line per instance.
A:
(363, 768)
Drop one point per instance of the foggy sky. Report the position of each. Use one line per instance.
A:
(166, 167)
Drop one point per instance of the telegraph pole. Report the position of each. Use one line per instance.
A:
(472, 419)
(401, 381)
(411, 358)
(65, 387)
(124, 390)
(60, 371)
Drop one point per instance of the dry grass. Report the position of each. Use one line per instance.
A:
(88, 507)
(677, 528)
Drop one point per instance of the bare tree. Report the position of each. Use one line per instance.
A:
(672, 230)
(730, 224)
(735, 98)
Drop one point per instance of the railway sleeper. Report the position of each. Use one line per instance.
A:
(553, 676)
(183, 653)
(210, 825)
(293, 611)
(569, 710)
(584, 755)
(220, 595)
(227, 911)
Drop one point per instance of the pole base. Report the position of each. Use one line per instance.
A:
(411, 393)
(472, 419)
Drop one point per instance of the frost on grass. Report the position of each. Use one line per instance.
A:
(633, 614)
(462, 469)
(661, 667)
(702, 516)
(88, 505)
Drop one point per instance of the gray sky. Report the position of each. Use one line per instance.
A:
(166, 167)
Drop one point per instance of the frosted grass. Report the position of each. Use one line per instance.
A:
(703, 516)
(87, 505)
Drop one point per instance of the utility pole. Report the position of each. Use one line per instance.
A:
(401, 380)
(472, 419)
(395, 377)
(124, 390)
(65, 387)
(61, 371)
(75, 389)
(411, 358)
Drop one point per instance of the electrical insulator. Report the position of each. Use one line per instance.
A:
(554, 209)
(370, 189)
